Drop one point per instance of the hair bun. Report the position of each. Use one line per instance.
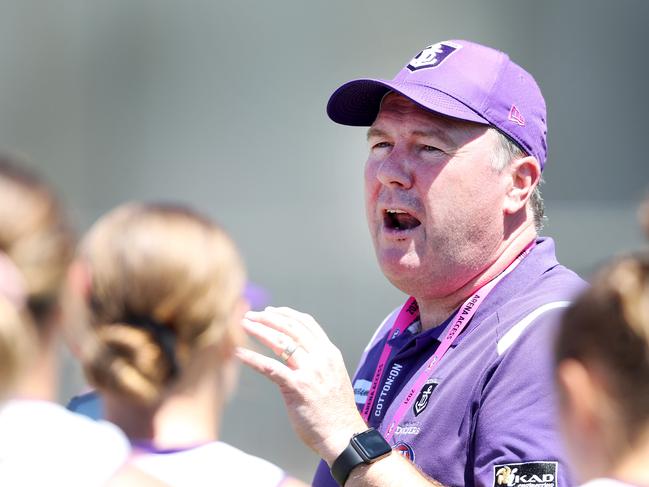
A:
(129, 362)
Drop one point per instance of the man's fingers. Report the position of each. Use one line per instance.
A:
(282, 345)
(305, 319)
(271, 368)
(270, 337)
(286, 325)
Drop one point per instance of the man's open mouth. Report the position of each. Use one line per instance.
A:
(399, 220)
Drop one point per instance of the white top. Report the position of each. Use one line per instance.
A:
(605, 483)
(212, 464)
(42, 443)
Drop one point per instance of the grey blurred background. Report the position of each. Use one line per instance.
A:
(220, 104)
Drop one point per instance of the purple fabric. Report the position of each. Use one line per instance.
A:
(257, 297)
(149, 447)
(410, 351)
(460, 79)
(486, 409)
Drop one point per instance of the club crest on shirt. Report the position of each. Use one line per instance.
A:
(530, 474)
(405, 450)
(424, 395)
(433, 56)
(361, 388)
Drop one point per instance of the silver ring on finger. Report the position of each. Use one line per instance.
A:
(288, 351)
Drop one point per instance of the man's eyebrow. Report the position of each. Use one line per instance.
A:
(375, 132)
(431, 132)
(435, 132)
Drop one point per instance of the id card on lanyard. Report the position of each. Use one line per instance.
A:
(407, 316)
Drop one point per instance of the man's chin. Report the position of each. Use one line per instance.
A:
(399, 267)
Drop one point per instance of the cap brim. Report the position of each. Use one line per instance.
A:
(357, 102)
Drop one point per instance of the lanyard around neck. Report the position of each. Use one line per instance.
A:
(407, 316)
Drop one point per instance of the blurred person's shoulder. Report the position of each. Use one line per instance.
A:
(606, 482)
(214, 463)
(42, 443)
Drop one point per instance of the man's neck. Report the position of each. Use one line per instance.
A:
(434, 311)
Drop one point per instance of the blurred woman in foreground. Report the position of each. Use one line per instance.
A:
(162, 288)
(41, 443)
(603, 375)
(15, 342)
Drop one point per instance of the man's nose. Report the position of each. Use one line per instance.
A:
(395, 170)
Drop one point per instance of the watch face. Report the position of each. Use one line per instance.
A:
(371, 445)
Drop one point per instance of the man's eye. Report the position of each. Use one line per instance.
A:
(430, 148)
(381, 145)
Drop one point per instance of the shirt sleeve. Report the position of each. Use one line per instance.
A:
(516, 432)
(322, 477)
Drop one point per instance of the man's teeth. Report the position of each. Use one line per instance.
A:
(399, 219)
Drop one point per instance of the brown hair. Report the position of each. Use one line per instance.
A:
(164, 283)
(34, 234)
(607, 329)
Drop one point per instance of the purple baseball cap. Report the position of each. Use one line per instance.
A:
(459, 79)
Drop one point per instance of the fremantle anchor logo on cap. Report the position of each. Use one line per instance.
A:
(433, 56)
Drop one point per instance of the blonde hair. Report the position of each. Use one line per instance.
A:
(164, 283)
(36, 246)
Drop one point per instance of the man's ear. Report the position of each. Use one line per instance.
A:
(525, 175)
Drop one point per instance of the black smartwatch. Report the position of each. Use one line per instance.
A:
(366, 447)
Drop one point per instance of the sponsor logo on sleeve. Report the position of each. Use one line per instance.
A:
(405, 450)
(530, 474)
(433, 56)
(361, 388)
(424, 395)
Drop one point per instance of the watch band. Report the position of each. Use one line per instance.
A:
(366, 447)
(345, 463)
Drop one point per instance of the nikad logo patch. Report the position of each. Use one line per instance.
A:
(530, 474)
(433, 56)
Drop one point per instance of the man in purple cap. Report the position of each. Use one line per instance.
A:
(455, 387)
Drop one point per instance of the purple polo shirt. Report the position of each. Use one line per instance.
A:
(487, 416)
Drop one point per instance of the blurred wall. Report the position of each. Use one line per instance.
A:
(221, 105)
